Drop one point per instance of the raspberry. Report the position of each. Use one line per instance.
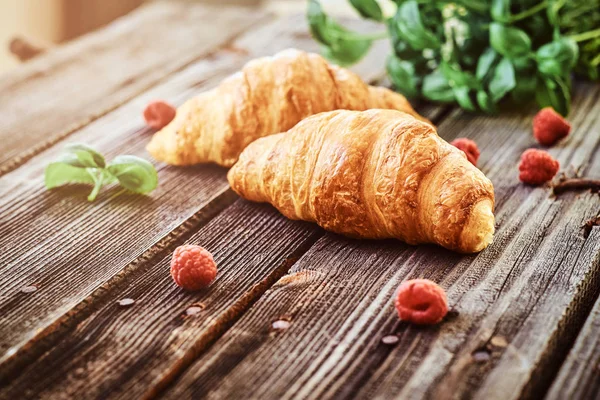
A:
(469, 147)
(158, 114)
(537, 167)
(192, 267)
(549, 127)
(421, 301)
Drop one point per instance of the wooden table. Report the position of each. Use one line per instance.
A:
(525, 318)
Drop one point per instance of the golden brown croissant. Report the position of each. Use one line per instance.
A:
(269, 95)
(371, 174)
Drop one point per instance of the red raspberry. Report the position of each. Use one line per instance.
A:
(158, 114)
(469, 147)
(537, 167)
(192, 267)
(421, 301)
(549, 126)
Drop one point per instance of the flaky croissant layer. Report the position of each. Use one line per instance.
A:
(373, 174)
(269, 95)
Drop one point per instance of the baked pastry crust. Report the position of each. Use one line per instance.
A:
(269, 95)
(373, 174)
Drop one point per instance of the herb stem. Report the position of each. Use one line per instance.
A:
(528, 13)
(350, 36)
(97, 186)
(585, 35)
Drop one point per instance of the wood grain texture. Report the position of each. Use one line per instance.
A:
(516, 307)
(53, 229)
(54, 95)
(579, 377)
(124, 352)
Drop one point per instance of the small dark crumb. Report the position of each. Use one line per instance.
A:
(126, 302)
(452, 314)
(29, 289)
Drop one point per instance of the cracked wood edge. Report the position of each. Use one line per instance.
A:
(578, 378)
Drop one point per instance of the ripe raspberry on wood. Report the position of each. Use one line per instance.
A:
(158, 114)
(549, 126)
(421, 301)
(193, 267)
(469, 147)
(537, 167)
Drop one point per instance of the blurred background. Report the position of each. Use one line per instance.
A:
(30, 25)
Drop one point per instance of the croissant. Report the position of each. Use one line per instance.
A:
(269, 95)
(373, 174)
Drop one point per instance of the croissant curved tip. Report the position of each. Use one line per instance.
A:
(478, 233)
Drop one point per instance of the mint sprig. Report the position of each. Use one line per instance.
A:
(82, 164)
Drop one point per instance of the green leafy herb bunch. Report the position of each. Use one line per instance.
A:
(81, 163)
(476, 53)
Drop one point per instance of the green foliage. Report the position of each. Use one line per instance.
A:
(476, 53)
(83, 165)
(368, 9)
(338, 44)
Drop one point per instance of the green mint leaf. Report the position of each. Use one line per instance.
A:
(402, 74)
(63, 171)
(87, 156)
(134, 173)
(457, 77)
(557, 57)
(485, 102)
(554, 92)
(508, 41)
(436, 88)
(503, 80)
(338, 44)
(500, 10)
(345, 53)
(368, 9)
(461, 94)
(485, 63)
(525, 88)
(410, 27)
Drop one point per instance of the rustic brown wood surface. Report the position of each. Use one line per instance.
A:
(514, 305)
(82, 81)
(517, 307)
(51, 227)
(579, 377)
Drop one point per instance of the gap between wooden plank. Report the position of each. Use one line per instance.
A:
(131, 55)
(327, 355)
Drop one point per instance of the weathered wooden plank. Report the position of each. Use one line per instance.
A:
(53, 229)
(579, 377)
(54, 95)
(124, 352)
(515, 305)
